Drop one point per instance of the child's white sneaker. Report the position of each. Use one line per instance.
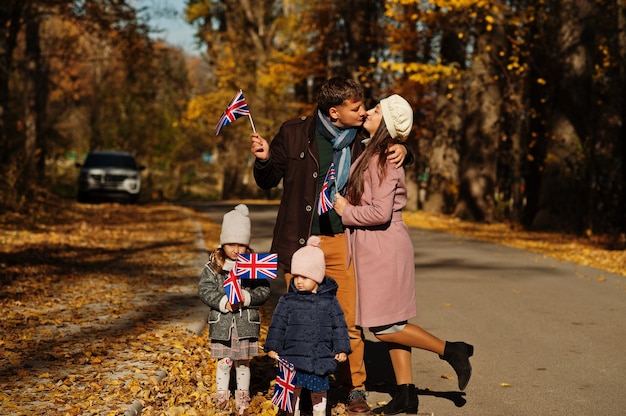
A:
(223, 399)
(242, 402)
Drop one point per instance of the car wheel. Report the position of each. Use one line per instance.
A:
(82, 197)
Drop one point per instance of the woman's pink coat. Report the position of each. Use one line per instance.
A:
(381, 249)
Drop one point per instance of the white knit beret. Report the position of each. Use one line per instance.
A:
(236, 226)
(398, 116)
(309, 261)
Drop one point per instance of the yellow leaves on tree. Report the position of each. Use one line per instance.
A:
(422, 73)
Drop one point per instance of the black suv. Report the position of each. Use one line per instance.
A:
(109, 175)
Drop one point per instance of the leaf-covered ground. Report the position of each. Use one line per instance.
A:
(90, 296)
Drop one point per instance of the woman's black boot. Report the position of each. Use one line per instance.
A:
(404, 401)
(457, 355)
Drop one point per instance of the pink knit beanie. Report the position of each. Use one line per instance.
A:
(309, 261)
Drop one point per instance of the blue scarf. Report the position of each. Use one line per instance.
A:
(341, 141)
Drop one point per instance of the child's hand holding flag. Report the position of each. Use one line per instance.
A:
(324, 203)
(232, 288)
(285, 385)
(256, 266)
(249, 266)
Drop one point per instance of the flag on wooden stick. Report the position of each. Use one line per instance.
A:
(232, 288)
(325, 202)
(238, 107)
(256, 266)
(285, 386)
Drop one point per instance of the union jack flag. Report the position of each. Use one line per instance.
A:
(238, 107)
(232, 288)
(256, 266)
(284, 387)
(324, 202)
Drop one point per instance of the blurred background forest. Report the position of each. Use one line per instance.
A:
(519, 104)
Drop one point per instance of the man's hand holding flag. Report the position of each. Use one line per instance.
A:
(324, 203)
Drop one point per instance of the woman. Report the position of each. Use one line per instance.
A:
(372, 211)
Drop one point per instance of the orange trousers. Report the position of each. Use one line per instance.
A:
(336, 255)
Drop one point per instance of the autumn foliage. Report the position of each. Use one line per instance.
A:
(519, 105)
(93, 301)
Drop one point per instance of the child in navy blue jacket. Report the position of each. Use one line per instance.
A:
(308, 327)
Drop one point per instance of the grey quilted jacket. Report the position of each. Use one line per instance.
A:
(247, 318)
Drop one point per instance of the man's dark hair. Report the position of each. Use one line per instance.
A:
(336, 90)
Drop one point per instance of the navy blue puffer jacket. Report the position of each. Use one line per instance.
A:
(308, 329)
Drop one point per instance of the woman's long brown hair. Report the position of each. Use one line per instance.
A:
(378, 145)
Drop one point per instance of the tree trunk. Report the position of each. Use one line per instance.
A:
(517, 197)
(483, 130)
(32, 82)
(563, 195)
(621, 26)
(441, 190)
(361, 25)
(537, 97)
(11, 12)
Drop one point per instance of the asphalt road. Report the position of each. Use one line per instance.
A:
(549, 336)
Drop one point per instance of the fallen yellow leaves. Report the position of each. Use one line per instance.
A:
(87, 313)
(87, 310)
(585, 251)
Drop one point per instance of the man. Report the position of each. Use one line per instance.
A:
(300, 155)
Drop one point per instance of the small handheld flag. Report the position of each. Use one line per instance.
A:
(232, 288)
(238, 107)
(256, 266)
(285, 385)
(324, 202)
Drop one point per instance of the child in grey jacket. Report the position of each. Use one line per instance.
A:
(233, 329)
